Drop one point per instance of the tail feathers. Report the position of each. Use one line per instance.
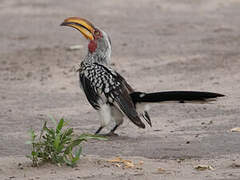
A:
(146, 116)
(180, 96)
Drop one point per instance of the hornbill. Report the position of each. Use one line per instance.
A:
(108, 92)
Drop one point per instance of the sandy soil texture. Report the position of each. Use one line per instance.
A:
(157, 45)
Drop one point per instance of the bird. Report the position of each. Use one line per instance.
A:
(108, 92)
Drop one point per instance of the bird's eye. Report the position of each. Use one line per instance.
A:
(97, 33)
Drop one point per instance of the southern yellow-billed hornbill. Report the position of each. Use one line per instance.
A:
(108, 92)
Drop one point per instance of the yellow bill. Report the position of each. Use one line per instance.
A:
(82, 25)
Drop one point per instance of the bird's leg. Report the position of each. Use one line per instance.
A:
(111, 133)
(105, 117)
(117, 117)
(115, 127)
(99, 129)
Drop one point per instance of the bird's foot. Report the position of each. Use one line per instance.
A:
(112, 134)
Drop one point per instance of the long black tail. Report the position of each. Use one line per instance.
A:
(179, 96)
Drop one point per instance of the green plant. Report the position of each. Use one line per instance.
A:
(57, 145)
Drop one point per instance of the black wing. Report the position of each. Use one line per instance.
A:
(125, 83)
(89, 91)
(124, 101)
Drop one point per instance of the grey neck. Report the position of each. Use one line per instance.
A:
(102, 54)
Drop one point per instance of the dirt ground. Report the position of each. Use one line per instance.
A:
(157, 45)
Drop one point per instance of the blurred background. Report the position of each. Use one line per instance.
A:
(157, 45)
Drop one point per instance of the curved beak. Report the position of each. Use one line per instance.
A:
(82, 25)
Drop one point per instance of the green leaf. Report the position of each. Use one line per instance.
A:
(60, 125)
(77, 155)
(44, 125)
(32, 134)
(57, 141)
(34, 153)
(76, 142)
(66, 140)
(91, 136)
(69, 163)
(68, 132)
(68, 150)
(50, 131)
(60, 148)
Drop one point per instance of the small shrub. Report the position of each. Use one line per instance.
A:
(57, 145)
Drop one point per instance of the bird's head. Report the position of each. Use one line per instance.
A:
(99, 41)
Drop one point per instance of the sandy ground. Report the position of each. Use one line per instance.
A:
(157, 45)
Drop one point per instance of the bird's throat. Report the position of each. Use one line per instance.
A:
(92, 46)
